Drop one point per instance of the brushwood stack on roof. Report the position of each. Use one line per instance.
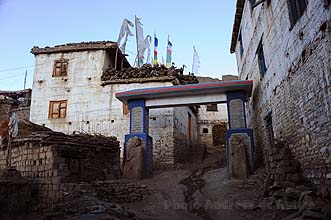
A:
(147, 73)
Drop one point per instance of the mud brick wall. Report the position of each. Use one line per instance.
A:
(47, 166)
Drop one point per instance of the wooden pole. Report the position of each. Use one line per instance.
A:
(26, 73)
(116, 58)
(135, 20)
(8, 159)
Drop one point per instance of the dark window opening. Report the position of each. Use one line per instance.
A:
(270, 131)
(261, 60)
(241, 44)
(252, 3)
(296, 9)
(212, 107)
(205, 130)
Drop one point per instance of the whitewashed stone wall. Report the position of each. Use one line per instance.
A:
(296, 86)
(207, 120)
(94, 109)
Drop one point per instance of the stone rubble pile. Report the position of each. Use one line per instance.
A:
(284, 187)
(83, 205)
(148, 71)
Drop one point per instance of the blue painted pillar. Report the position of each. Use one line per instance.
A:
(238, 135)
(139, 122)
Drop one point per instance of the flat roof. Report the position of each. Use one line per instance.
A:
(187, 90)
(72, 47)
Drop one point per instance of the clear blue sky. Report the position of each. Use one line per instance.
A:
(206, 24)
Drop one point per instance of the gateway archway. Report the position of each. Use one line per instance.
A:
(239, 138)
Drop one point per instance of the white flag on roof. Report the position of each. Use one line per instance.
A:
(124, 32)
(13, 125)
(196, 61)
(140, 41)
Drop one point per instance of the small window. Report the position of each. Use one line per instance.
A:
(241, 44)
(270, 131)
(57, 109)
(205, 130)
(125, 108)
(296, 9)
(252, 3)
(212, 108)
(261, 60)
(60, 68)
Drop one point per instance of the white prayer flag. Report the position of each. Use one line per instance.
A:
(196, 61)
(140, 41)
(125, 31)
(13, 125)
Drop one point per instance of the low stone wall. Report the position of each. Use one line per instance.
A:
(47, 162)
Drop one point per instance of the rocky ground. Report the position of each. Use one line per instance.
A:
(198, 190)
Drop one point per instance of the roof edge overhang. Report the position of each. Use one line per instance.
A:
(236, 24)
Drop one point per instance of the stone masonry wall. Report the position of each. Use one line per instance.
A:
(161, 123)
(301, 112)
(296, 85)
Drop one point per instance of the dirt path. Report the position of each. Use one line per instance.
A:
(201, 191)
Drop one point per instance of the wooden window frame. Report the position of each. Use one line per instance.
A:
(62, 106)
(62, 65)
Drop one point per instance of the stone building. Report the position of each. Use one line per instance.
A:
(15, 101)
(213, 118)
(285, 47)
(74, 89)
